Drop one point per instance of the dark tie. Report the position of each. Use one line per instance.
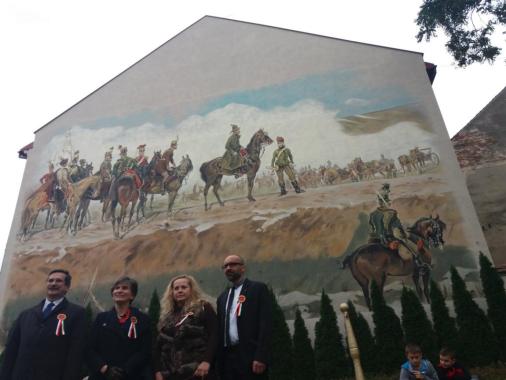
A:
(47, 310)
(227, 316)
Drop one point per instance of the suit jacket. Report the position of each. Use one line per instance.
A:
(109, 344)
(254, 324)
(34, 351)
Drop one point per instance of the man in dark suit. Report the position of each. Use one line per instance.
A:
(245, 320)
(47, 341)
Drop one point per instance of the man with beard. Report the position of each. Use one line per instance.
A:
(245, 321)
(47, 341)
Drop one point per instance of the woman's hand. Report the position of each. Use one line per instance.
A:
(158, 376)
(202, 370)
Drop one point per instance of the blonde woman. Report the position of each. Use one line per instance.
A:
(188, 333)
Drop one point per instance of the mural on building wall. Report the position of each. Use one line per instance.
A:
(321, 181)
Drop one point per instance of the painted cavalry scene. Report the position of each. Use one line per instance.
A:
(126, 189)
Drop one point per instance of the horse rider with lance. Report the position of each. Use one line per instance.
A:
(124, 167)
(282, 162)
(385, 227)
(234, 159)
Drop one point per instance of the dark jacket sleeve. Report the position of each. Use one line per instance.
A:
(262, 353)
(11, 351)
(75, 354)
(210, 321)
(141, 358)
(93, 359)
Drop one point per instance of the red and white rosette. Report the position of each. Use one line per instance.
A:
(132, 331)
(60, 327)
(240, 301)
(185, 317)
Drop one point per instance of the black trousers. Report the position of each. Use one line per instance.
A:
(233, 368)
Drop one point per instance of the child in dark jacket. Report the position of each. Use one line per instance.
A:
(416, 368)
(448, 368)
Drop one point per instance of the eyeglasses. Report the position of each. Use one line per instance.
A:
(225, 266)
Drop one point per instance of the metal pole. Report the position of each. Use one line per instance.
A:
(352, 343)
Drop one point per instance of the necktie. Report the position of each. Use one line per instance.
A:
(47, 310)
(227, 316)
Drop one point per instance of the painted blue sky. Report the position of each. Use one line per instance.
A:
(343, 92)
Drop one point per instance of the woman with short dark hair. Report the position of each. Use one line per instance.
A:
(120, 341)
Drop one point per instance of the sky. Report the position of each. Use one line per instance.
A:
(57, 52)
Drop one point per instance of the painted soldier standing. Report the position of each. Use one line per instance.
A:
(282, 162)
(232, 160)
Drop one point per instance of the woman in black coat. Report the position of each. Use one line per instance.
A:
(120, 341)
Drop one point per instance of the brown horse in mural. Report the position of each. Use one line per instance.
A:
(375, 262)
(159, 181)
(126, 193)
(79, 199)
(211, 172)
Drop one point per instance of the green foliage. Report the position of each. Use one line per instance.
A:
(479, 345)
(493, 287)
(365, 339)
(416, 324)
(330, 358)
(468, 25)
(303, 354)
(444, 325)
(281, 344)
(388, 333)
(154, 313)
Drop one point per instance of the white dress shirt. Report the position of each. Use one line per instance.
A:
(233, 332)
(55, 302)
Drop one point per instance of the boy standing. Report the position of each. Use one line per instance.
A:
(449, 369)
(416, 368)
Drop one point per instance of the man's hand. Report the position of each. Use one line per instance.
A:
(418, 375)
(202, 370)
(158, 376)
(258, 367)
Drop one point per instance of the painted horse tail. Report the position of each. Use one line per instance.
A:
(203, 171)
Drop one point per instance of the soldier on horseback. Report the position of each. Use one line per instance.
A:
(63, 178)
(106, 167)
(386, 228)
(234, 160)
(282, 162)
(142, 160)
(48, 182)
(125, 166)
(168, 156)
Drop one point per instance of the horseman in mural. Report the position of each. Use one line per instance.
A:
(234, 160)
(142, 160)
(163, 176)
(238, 161)
(48, 182)
(393, 251)
(168, 156)
(282, 162)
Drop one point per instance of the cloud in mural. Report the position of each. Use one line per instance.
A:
(356, 102)
(310, 129)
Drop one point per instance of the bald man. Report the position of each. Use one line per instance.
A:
(244, 313)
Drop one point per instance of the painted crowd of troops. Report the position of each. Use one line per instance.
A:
(128, 183)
